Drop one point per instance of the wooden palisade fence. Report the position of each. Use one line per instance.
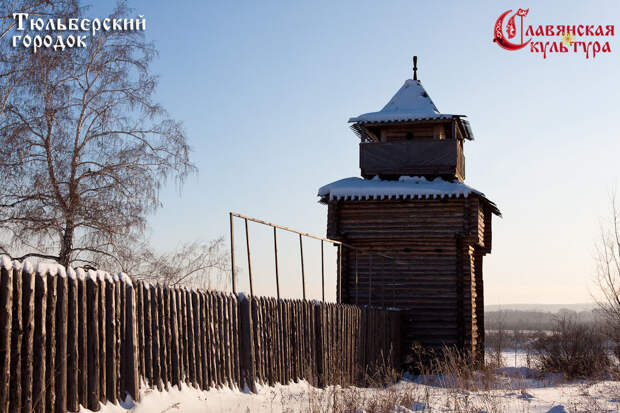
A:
(80, 338)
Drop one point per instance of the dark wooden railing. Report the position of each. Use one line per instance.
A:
(422, 157)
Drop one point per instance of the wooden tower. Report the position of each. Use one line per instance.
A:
(420, 232)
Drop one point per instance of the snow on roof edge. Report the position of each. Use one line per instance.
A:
(406, 187)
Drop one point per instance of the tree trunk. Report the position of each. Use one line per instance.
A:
(64, 257)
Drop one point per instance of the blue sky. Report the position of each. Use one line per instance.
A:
(265, 89)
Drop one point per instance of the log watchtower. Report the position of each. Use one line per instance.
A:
(412, 205)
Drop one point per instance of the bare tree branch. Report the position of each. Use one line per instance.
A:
(84, 148)
(607, 277)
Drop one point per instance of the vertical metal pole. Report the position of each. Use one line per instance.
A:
(247, 245)
(322, 273)
(275, 249)
(370, 281)
(339, 273)
(232, 254)
(303, 275)
(357, 291)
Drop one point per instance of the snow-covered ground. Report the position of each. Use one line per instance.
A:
(519, 389)
(301, 397)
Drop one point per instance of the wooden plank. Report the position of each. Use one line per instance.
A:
(73, 400)
(214, 372)
(283, 341)
(246, 343)
(119, 311)
(131, 338)
(227, 339)
(148, 335)
(92, 350)
(175, 375)
(198, 354)
(204, 349)
(199, 340)
(217, 301)
(183, 327)
(191, 342)
(82, 343)
(167, 321)
(180, 342)
(110, 340)
(28, 280)
(39, 344)
(300, 339)
(6, 323)
(327, 344)
(318, 356)
(62, 306)
(232, 302)
(140, 317)
(102, 337)
(258, 338)
(236, 355)
(50, 360)
(15, 394)
(306, 341)
(163, 351)
(290, 355)
(280, 338)
(273, 360)
(155, 351)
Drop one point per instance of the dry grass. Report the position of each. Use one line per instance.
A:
(446, 381)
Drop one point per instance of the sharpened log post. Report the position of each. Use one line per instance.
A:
(6, 310)
(61, 343)
(246, 343)
(102, 337)
(148, 336)
(110, 340)
(156, 372)
(73, 402)
(120, 326)
(28, 280)
(92, 350)
(131, 342)
(16, 344)
(174, 340)
(39, 343)
(50, 360)
(82, 339)
(163, 351)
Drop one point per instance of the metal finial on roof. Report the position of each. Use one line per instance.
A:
(415, 67)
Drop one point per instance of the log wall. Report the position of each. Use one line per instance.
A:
(435, 277)
(86, 338)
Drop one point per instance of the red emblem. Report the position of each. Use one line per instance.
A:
(511, 30)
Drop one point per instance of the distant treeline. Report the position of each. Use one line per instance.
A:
(534, 320)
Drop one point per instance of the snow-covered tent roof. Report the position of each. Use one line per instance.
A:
(406, 187)
(410, 103)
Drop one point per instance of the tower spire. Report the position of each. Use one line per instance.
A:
(415, 67)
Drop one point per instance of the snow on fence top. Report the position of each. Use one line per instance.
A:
(410, 103)
(59, 270)
(405, 187)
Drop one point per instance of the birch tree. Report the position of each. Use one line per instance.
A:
(85, 149)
